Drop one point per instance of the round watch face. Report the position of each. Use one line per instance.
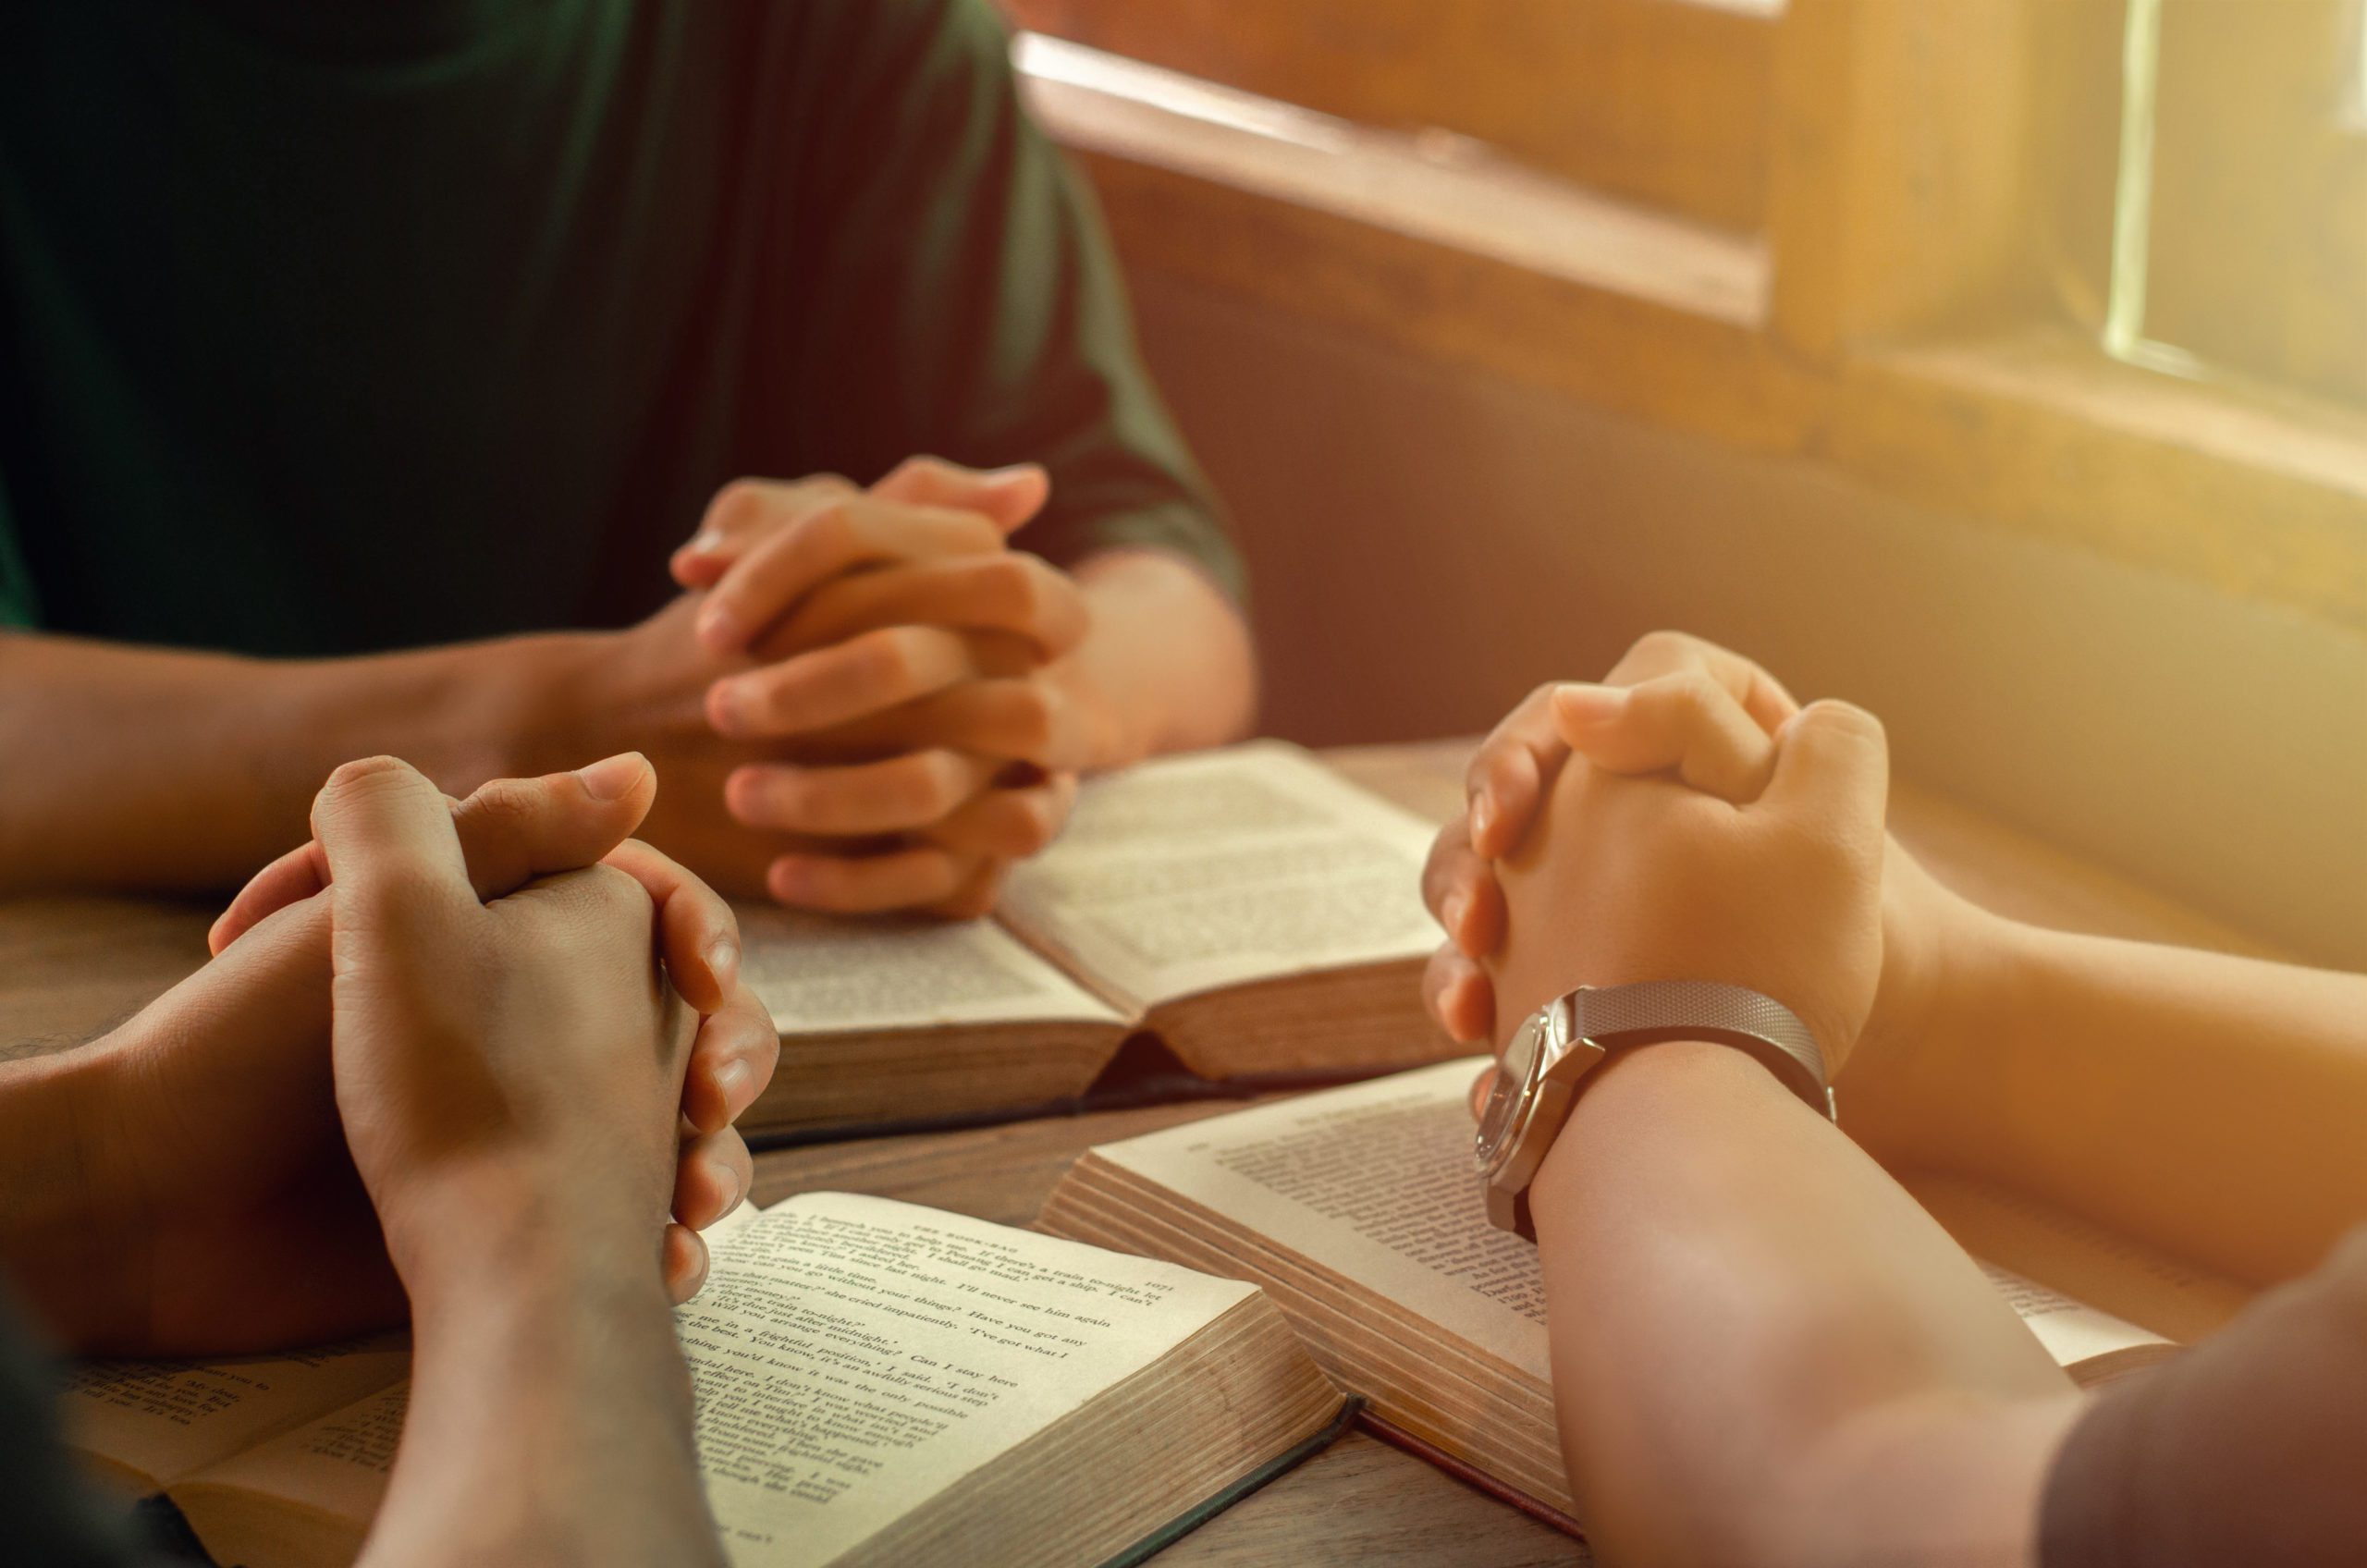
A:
(1510, 1092)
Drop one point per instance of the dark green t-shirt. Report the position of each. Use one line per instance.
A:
(328, 327)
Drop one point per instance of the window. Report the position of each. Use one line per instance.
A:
(2244, 190)
(1898, 237)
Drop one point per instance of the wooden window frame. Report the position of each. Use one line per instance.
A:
(1897, 310)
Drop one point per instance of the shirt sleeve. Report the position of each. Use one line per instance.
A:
(968, 303)
(18, 608)
(2245, 1449)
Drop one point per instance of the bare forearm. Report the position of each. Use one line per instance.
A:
(550, 1413)
(1168, 653)
(1763, 1350)
(169, 770)
(2206, 1103)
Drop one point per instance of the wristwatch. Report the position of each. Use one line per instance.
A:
(1537, 1080)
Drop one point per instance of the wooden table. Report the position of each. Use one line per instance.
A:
(69, 968)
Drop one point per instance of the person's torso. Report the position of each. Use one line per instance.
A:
(329, 329)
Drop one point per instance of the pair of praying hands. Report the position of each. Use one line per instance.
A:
(1686, 819)
(443, 1041)
(864, 700)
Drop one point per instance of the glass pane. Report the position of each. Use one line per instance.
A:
(2243, 203)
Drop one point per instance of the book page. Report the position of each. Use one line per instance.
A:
(2071, 1330)
(1196, 873)
(855, 1356)
(168, 1419)
(1374, 1183)
(2082, 1260)
(821, 975)
(337, 1466)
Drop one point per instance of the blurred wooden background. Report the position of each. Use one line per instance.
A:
(1512, 329)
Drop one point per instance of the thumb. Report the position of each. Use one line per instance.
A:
(1008, 496)
(1686, 722)
(512, 830)
(392, 851)
(1832, 757)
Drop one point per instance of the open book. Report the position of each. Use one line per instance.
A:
(876, 1384)
(1257, 912)
(1358, 1211)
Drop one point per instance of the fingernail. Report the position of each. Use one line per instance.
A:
(732, 1078)
(1483, 815)
(1590, 705)
(706, 544)
(611, 779)
(723, 958)
(717, 627)
(1009, 473)
(1450, 912)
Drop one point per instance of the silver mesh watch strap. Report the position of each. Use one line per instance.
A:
(1617, 1016)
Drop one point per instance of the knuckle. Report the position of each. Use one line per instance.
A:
(739, 505)
(396, 895)
(892, 656)
(779, 796)
(1445, 845)
(762, 1047)
(506, 804)
(1013, 586)
(1500, 767)
(934, 783)
(615, 891)
(1029, 719)
(1691, 692)
(720, 909)
(921, 465)
(976, 531)
(935, 874)
(1030, 823)
(828, 528)
(752, 700)
(1848, 719)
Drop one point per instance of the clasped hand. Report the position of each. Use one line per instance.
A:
(1687, 819)
(436, 1018)
(891, 717)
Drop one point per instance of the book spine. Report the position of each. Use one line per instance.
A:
(1184, 1524)
(1398, 1437)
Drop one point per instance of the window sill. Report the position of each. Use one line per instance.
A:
(1449, 254)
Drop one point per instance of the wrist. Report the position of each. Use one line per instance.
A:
(499, 1228)
(1638, 1087)
(545, 1325)
(1167, 663)
(1931, 934)
(540, 714)
(1945, 957)
(449, 712)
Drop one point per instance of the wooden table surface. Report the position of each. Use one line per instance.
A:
(71, 967)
